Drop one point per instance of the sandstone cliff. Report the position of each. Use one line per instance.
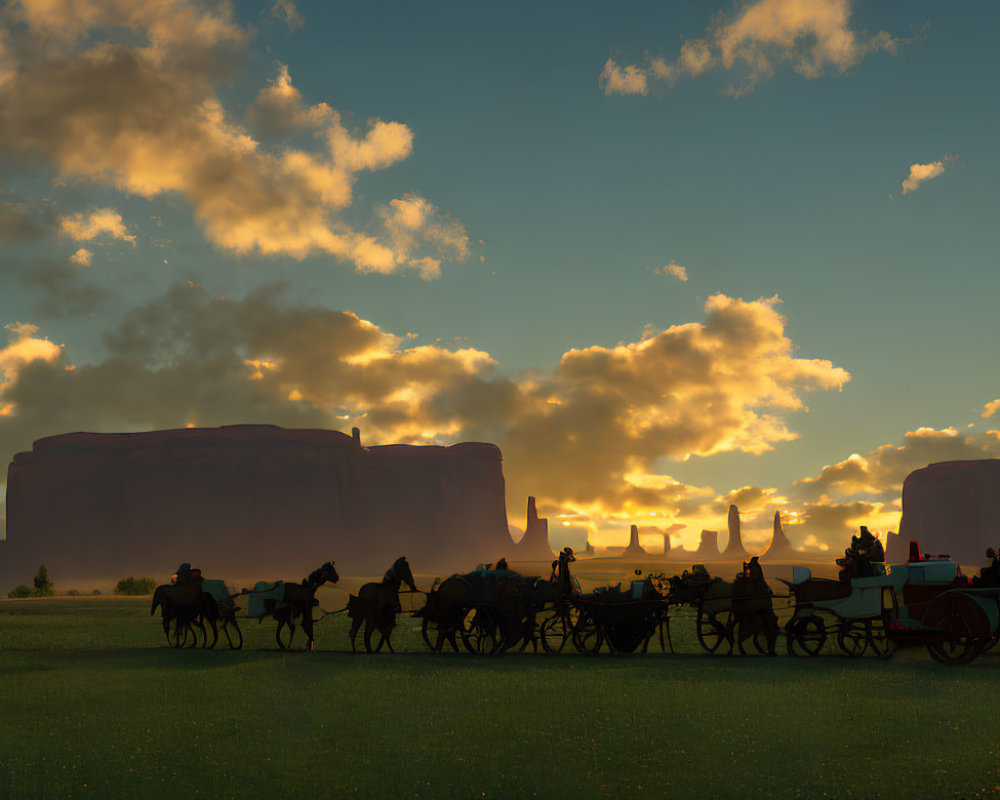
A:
(634, 549)
(534, 545)
(248, 501)
(951, 507)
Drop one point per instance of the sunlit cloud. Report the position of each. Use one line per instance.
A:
(990, 409)
(83, 257)
(123, 95)
(921, 173)
(813, 37)
(286, 11)
(86, 228)
(672, 270)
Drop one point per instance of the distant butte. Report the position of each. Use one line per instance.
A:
(634, 548)
(534, 545)
(734, 547)
(780, 549)
(247, 501)
(950, 507)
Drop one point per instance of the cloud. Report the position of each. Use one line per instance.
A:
(18, 225)
(587, 436)
(123, 94)
(286, 11)
(814, 37)
(672, 270)
(83, 257)
(63, 291)
(623, 80)
(23, 348)
(919, 173)
(100, 221)
(990, 409)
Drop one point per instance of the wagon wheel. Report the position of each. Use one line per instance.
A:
(481, 631)
(557, 629)
(806, 636)
(626, 635)
(587, 634)
(878, 640)
(712, 633)
(964, 626)
(852, 636)
(231, 624)
(956, 651)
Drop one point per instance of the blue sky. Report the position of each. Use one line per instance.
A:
(545, 201)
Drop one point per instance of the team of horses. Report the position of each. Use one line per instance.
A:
(453, 607)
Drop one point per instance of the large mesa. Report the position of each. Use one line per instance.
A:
(248, 501)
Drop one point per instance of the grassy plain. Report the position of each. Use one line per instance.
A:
(93, 704)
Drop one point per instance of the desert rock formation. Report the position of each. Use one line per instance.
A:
(950, 507)
(247, 501)
(634, 548)
(534, 545)
(779, 548)
(734, 548)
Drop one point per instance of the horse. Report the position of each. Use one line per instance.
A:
(297, 600)
(752, 608)
(376, 605)
(186, 606)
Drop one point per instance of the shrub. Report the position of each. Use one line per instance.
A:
(43, 586)
(21, 591)
(134, 586)
(73, 593)
(96, 591)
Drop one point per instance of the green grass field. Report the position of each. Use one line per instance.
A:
(93, 704)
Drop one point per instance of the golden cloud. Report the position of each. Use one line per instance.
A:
(138, 111)
(920, 173)
(812, 36)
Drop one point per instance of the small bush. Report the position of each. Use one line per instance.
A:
(21, 591)
(43, 586)
(96, 591)
(134, 586)
(73, 593)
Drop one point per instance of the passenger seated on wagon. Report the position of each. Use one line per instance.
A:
(185, 574)
(859, 559)
(990, 574)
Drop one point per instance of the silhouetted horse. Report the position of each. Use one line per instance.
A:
(297, 600)
(752, 607)
(376, 605)
(187, 607)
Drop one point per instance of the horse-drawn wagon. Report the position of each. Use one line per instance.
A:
(925, 601)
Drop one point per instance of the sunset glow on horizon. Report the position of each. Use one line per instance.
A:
(443, 223)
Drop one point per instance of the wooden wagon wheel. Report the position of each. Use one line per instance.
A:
(853, 636)
(557, 629)
(964, 629)
(482, 631)
(587, 633)
(878, 639)
(806, 636)
(712, 633)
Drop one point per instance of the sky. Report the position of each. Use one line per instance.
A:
(668, 256)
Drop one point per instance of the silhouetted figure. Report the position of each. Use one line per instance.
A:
(989, 576)
(553, 578)
(502, 564)
(563, 578)
(377, 604)
(859, 559)
(185, 574)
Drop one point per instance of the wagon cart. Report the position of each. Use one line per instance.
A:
(923, 602)
(625, 620)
